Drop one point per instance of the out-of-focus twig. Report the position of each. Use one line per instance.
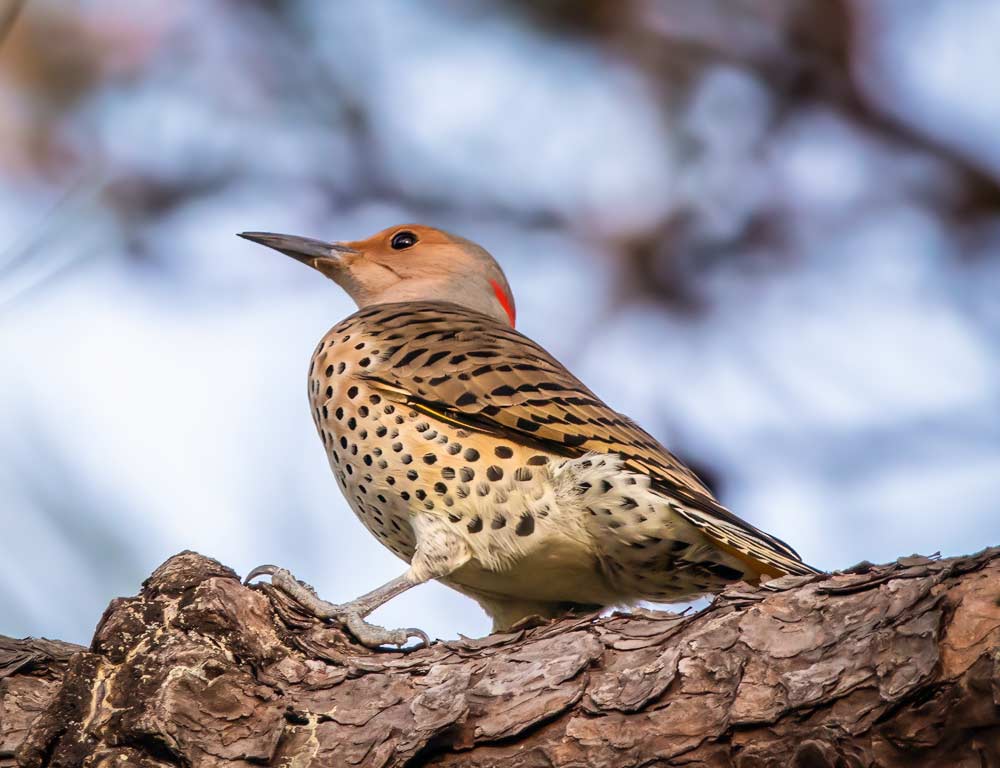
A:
(9, 14)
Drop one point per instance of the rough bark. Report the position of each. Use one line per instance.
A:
(895, 665)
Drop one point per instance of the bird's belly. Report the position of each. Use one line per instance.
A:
(557, 570)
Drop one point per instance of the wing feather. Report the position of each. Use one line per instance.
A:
(468, 369)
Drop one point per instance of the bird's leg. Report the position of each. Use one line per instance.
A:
(351, 615)
(439, 553)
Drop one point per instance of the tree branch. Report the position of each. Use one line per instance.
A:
(884, 665)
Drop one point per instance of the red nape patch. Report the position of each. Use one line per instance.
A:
(504, 299)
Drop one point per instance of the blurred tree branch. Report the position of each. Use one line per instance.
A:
(9, 14)
(882, 665)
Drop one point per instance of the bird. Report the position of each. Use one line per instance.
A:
(478, 459)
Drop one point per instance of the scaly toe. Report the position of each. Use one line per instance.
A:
(374, 636)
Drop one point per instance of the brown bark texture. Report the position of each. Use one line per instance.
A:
(893, 665)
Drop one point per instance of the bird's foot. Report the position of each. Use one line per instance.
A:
(350, 615)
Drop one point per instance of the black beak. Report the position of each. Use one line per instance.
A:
(303, 249)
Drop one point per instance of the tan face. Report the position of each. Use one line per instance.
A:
(406, 263)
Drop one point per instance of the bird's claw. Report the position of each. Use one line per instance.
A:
(374, 636)
(260, 570)
(369, 635)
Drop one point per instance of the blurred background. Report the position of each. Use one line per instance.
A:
(769, 230)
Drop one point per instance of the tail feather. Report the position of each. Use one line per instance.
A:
(765, 554)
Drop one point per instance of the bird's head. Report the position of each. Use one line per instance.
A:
(405, 263)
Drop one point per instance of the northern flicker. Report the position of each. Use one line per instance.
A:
(476, 457)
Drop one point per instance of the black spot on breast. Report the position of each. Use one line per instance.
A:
(421, 494)
(440, 488)
(537, 461)
(380, 431)
(352, 393)
(503, 452)
(471, 454)
(454, 449)
(364, 362)
(329, 392)
(363, 411)
(329, 370)
(606, 486)
(525, 525)
(523, 474)
(352, 423)
(406, 458)
(404, 496)
(466, 474)
(430, 458)
(448, 473)
(494, 473)
(341, 367)
(475, 524)
(411, 474)
(498, 522)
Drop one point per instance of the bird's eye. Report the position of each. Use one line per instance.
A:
(402, 240)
